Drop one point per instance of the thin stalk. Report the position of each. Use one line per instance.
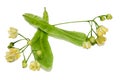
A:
(24, 47)
(96, 23)
(71, 22)
(96, 17)
(24, 56)
(88, 34)
(29, 56)
(91, 27)
(19, 40)
(94, 32)
(23, 36)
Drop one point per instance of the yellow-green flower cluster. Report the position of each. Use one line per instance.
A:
(12, 55)
(105, 17)
(100, 40)
(99, 32)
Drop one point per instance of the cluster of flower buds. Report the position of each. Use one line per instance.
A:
(105, 17)
(14, 53)
(100, 31)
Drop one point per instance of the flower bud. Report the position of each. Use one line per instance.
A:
(102, 18)
(86, 44)
(11, 45)
(24, 64)
(92, 40)
(108, 16)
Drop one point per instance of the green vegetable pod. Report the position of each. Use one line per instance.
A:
(76, 38)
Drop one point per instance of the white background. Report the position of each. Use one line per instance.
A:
(70, 62)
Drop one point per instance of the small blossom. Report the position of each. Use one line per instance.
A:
(24, 63)
(39, 52)
(12, 55)
(34, 65)
(86, 44)
(100, 40)
(108, 16)
(13, 32)
(101, 30)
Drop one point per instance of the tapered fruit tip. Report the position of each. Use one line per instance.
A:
(24, 15)
(44, 8)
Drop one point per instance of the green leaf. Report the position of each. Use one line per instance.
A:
(40, 42)
(76, 38)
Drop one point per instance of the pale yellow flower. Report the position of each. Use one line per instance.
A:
(100, 40)
(34, 65)
(12, 55)
(86, 44)
(101, 30)
(39, 52)
(13, 32)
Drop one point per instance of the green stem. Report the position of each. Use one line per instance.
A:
(23, 37)
(94, 32)
(24, 47)
(19, 40)
(96, 23)
(88, 35)
(98, 17)
(24, 56)
(71, 22)
(90, 22)
(79, 21)
(29, 56)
